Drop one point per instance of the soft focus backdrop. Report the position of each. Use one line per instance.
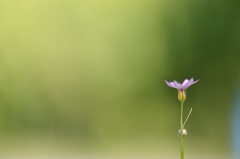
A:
(85, 79)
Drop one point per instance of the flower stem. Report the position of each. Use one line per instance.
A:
(187, 118)
(181, 134)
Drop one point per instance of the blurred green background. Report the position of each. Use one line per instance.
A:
(87, 76)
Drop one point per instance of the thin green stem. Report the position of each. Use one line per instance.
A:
(181, 134)
(187, 118)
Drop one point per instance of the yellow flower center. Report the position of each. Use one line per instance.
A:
(182, 95)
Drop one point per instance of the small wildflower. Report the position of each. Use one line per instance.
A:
(182, 97)
(181, 87)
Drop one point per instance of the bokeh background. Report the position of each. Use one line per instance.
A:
(85, 79)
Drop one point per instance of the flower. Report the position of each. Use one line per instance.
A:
(181, 87)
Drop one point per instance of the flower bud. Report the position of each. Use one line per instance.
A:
(184, 132)
(182, 95)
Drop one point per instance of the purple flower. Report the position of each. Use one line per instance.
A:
(186, 83)
(181, 87)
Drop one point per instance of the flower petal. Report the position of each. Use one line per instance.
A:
(190, 82)
(184, 82)
(170, 84)
(196, 81)
(178, 85)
